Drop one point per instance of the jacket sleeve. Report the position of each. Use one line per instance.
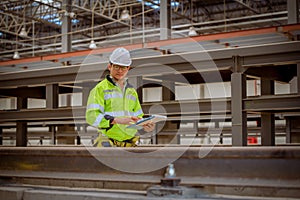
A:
(95, 110)
(138, 108)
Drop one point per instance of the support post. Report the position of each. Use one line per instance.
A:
(295, 88)
(293, 11)
(267, 119)
(165, 19)
(66, 27)
(52, 129)
(238, 93)
(85, 95)
(288, 130)
(217, 125)
(21, 133)
(298, 78)
(52, 96)
(52, 102)
(292, 129)
(21, 136)
(1, 136)
(168, 90)
(137, 83)
(78, 139)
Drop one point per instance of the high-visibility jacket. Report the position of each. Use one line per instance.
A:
(107, 99)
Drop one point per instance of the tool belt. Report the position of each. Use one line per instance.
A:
(133, 142)
(104, 141)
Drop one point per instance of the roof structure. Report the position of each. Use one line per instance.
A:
(101, 21)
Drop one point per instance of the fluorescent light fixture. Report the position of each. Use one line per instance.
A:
(125, 15)
(23, 32)
(92, 45)
(16, 55)
(192, 31)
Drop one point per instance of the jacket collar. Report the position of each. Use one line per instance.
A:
(111, 80)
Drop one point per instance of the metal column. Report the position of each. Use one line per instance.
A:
(137, 83)
(298, 78)
(293, 11)
(238, 93)
(52, 129)
(52, 94)
(52, 101)
(165, 19)
(21, 133)
(292, 124)
(85, 95)
(267, 119)
(295, 82)
(66, 42)
(168, 90)
(1, 136)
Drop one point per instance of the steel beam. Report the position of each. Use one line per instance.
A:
(267, 119)
(52, 96)
(273, 104)
(21, 134)
(66, 28)
(293, 11)
(137, 83)
(168, 90)
(170, 108)
(41, 114)
(298, 78)
(238, 93)
(168, 94)
(189, 107)
(267, 129)
(165, 19)
(21, 128)
(1, 136)
(85, 95)
(31, 92)
(195, 62)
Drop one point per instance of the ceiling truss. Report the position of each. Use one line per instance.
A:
(42, 21)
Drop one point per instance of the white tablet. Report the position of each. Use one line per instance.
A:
(153, 118)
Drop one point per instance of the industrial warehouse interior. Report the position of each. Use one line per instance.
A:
(223, 73)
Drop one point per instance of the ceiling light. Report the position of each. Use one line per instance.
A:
(125, 15)
(72, 15)
(92, 45)
(23, 32)
(16, 55)
(192, 31)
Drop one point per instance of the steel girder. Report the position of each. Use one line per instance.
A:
(196, 62)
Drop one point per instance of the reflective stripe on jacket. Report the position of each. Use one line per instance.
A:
(108, 99)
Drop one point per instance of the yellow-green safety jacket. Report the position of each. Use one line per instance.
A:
(107, 100)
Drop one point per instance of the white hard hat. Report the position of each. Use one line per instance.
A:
(120, 56)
